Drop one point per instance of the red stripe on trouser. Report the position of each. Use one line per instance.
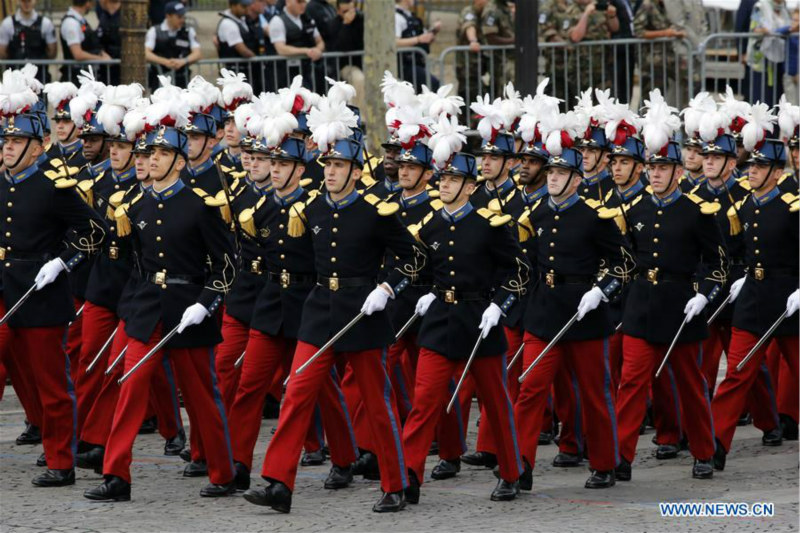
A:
(41, 351)
(615, 359)
(20, 374)
(431, 392)
(588, 361)
(640, 361)
(302, 394)
(195, 375)
(74, 339)
(235, 336)
(733, 391)
(97, 325)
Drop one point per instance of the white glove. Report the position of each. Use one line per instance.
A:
(376, 301)
(695, 306)
(424, 303)
(49, 272)
(736, 288)
(590, 301)
(792, 303)
(490, 318)
(193, 316)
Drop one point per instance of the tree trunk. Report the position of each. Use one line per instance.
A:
(133, 26)
(380, 55)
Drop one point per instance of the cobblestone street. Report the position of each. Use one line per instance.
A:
(163, 500)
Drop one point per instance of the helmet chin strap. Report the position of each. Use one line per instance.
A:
(461, 188)
(171, 166)
(421, 173)
(721, 170)
(24, 151)
(566, 184)
(631, 176)
(346, 181)
(203, 149)
(766, 177)
(596, 163)
(289, 179)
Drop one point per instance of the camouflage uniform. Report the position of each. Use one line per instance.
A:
(585, 66)
(467, 68)
(496, 19)
(656, 72)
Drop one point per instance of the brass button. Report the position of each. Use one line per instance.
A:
(161, 206)
(12, 189)
(452, 273)
(158, 222)
(333, 259)
(192, 181)
(758, 252)
(283, 211)
(450, 258)
(655, 254)
(657, 226)
(333, 244)
(758, 211)
(655, 239)
(8, 234)
(755, 224)
(555, 230)
(452, 228)
(551, 258)
(158, 238)
(336, 215)
(8, 265)
(403, 214)
(8, 219)
(659, 212)
(557, 217)
(10, 204)
(552, 245)
(451, 243)
(160, 254)
(283, 256)
(755, 239)
(280, 241)
(335, 230)
(758, 264)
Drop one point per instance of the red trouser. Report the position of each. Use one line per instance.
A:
(615, 359)
(718, 341)
(640, 361)
(97, 326)
(40, 353)
(434, 372)
(20, 375)
(401, 374)
(266, 357)
(451, 431)
(235, 335)
(303, 390)
(74, 339)
(667, 414)
(732, 394)
(788, 388)
(589, 361)
(565, 401)
(198, 383)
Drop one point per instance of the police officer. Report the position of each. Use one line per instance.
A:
(233, 36)
(293, 33)
(409, 31)
(41, 214)
(170, 47)
(79, 41)
(108, 31)
(28, 35)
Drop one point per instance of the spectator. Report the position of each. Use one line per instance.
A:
(766, 56)
(28, 35)
(742, 25)
(468, 33)
(108, 25)
(688, 16)
(410, 32)
(267, 14)
(348, 29)
(234, 38)
(323, 15)
(497, 25)
(294, 33)
(170, 47)
(256, 27)
(658, 62)
(624, 54)
(79, 41)
(790, 82)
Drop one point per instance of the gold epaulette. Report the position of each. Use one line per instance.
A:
(494, 219)
(792, 200)
(297, 217)
(367, 180)
(305, 182)
(524, 226)
(414, 229)
(436, 204)
(496, 207)
(744, 183)
(384, 208)
(246, 217)
(733, 218)
(706, 208)
(608, 196)
(591, 202)
(85, 190)
(433, 193)
(61, 178)
(783, 177)
(121, 217)
(648, 190)
(63, 168)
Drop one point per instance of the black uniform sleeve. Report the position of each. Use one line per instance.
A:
(618, 258)
(222, 267)
(411, 256)
(513, 268)
(713, 268)
(86, 228)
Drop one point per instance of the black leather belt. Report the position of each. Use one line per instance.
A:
(8, 255)
(551, 279)
(286, 279)
(335, 283)
(655, 276)
(162, 278)
(760, 273)
(422, 282)
(451, 296)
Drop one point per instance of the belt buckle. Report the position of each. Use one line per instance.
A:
(652, 276)
(758, 273)
(2, 254)
(550, 279)
(160, 278)
(333, 283)
(113, 252)
(449, 297)
(255, 266)
(286, 278)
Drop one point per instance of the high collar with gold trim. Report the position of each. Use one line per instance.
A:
(597, 178)
(529, 198)
(458, 214)
(68, 150)
(21, 176)
(391, 186)
(199, 169)
(344, 202)
(694, 182)
(566, 204)
(771, 195)
(501, 189)
(290, 198)
(417, 199)
(99, 168)
(727, 186)
(668, 200)
(169, 192)
(634, 189)
(122, 177)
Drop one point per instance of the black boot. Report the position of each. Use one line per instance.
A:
(526, 478)
(91, 459)
(314, 458)
(545, 438)
(720, 456)
(149, 426)
(744, 420)
(390, 502)
(667, 451)
(773, 437)
(339, 477)
(275, 495)
(434, 449)
(212, 490)
(41, 460)
(446, 469)
(196, 469)
(600, 480)
(367, 466)
(176, 444)
(703, 469)
(30, 435)
(789, 427)
(186, 455)
(485, 459)
(505, 491)
(412, 491)
(623, 470)
(55, 478)
(272, 408)
(113, 488)
(567, 460)
(242, 478)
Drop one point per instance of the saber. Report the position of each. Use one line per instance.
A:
(117, 360)
(672, 345)
(516, 356)
(406, 326)
(549, 346)
(18, 304)
(719, 309)
(239, 361)
(761, 342)
(464, 374)
(330, 343)
(102, 351)
(78, 314)
(149, 354)
(619, 327)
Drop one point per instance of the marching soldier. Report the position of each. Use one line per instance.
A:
(186, 269)
(768, 221)
(692, 164)
(596, 184)
(202, 172)
(386, 172)
(350, 236)
(497, 159)
(68, 148)
(40, 214)
(789, 121)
